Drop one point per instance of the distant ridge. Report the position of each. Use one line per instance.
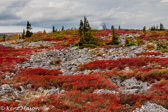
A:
(10, 34)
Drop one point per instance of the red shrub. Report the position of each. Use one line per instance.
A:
(149, 53)
(125, 62)
(39, 71)
(159, 93)
(68, 82)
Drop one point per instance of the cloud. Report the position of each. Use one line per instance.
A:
(164, 1)
(14, 29)
(46, 13)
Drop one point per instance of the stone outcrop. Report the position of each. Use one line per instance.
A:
(150, 107)
(130, 86)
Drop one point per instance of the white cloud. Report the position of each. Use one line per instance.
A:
(46, 13)
(15, 29)
(164, 1)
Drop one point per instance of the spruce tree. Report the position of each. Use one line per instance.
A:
(114, 40)
(28, 32)
(119, 27)
(85, 34)
(4, 37)
(53, 29)
(81, 28)
(104, 27)
(62, 28)
(144, 29)
(112, 27)
(161, 27)
(23, 34)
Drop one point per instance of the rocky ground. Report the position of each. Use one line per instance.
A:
(67, 60)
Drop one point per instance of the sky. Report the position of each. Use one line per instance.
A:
(43, 14)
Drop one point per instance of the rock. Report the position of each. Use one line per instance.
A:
(104, 91)
(17, 93)
(150, 107)
(53, 90)
(40, 89)
(22, 89)
(130, 91)
(126, 69)
(5, 98)
(133, 86)
(72, 57)
(7, 77)
(116, 81)
(62, 91)
(29, 86)
(6, 88)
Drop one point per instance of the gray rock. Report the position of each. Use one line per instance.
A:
(104, 91)
(53, 90)
(6, 88)
(133, 86)
(40, 89)
(62, 91)
(150, 107)
(7, 77)
(29, 86)
(72, 57)
(22, 89)
(5, 98)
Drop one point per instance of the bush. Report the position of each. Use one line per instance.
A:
(164, 50)
(162, 45)
(129, 42)
(60, 36)
(150, 46)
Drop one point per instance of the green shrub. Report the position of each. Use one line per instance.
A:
(139, 42)
(60, 36)
(129, 42)
(162, 44)
(164, 50)
(163, 71)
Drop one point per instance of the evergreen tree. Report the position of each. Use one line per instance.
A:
(144, 29)
(119, 27)
(19, 36)
(23, 34)
(44, 32)
(161, 27)
(112, 27)
(28, 32)
(86, 25)
(81, 28)
(104, 27)
(153, 28)
(85, 34)
(62, 28)
(53, 29)
(114, 40)
(4, 37)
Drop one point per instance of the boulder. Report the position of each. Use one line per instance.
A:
(150, 107)
(6, 88)
(53, 91)
(131, 85)
(100, 91)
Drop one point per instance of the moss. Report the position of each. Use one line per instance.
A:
(164, 50)
(163, 71)
(60, 36)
